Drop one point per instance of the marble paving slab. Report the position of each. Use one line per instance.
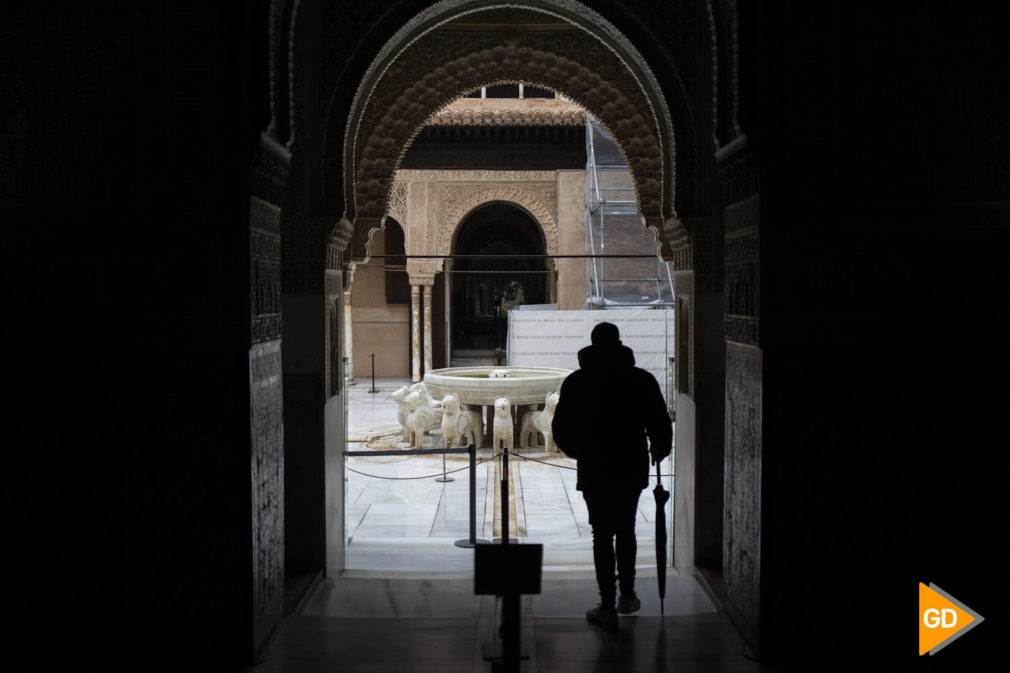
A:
(400, 513)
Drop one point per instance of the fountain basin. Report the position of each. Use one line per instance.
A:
(476, 386)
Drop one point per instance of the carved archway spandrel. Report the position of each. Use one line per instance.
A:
(456, 200)
(397, 207)
(676, 248)
(364, 230)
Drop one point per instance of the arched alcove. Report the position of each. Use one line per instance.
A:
(499, 262)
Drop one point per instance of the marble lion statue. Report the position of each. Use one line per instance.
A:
(460, 426)
(421, 418)
(398, 396)
(539, 422)
(503, 424)
(421, 388)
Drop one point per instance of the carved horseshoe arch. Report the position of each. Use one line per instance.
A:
(431, 61)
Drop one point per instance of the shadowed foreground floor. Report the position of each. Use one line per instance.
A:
(379, 624)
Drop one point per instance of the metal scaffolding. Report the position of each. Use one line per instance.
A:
(614, 228)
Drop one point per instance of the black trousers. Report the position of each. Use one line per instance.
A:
(612, 517)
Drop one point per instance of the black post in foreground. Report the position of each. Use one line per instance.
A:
(472, 541)
(509, 571)
(373, 390)
(505, 496)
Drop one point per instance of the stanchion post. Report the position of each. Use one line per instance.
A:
(505, 495)
(511, 637)
(445, 477)
(508, 571)
(472, 541)
(373, 390)
(473, 493)
(510, 599)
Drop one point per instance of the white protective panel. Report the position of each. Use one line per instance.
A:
(553, 338)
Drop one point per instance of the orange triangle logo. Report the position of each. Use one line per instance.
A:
(942, 619)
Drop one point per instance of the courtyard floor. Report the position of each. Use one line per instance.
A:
(399, 518)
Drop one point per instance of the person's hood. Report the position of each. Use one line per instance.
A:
(609, 357)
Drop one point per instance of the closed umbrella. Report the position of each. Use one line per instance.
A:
(662, 496)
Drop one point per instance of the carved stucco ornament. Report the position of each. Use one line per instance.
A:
(422, 69)
(443, 199)
(456, 200)
(467, 117)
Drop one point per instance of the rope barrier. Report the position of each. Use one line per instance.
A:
(427, 476)
(472, 540)
(382, 462)
(544, 462)
(566, 467)
(416, 452)
(405, 452)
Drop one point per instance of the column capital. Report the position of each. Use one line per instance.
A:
(423, 279)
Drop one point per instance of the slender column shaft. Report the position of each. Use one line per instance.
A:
(348, 337)
(415, 332)
(427, 328)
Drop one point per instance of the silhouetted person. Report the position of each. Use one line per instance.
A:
(610, 417)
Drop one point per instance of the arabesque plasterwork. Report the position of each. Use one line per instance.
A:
(432, 204)
(428, 64)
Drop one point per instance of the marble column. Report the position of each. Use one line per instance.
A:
(427, 328)
(415, 333)
(348, 338)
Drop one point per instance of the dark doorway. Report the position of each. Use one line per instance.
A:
(484, 288)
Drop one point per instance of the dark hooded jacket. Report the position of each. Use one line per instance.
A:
(609, 413)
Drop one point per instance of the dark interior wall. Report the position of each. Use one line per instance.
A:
(710, 394)
(305, 534)
(881, 139)
(128, 132)
(740, 533)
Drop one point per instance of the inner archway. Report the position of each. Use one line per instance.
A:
(458, 46)
(499, 264)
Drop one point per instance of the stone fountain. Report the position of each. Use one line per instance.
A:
(481, 386)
